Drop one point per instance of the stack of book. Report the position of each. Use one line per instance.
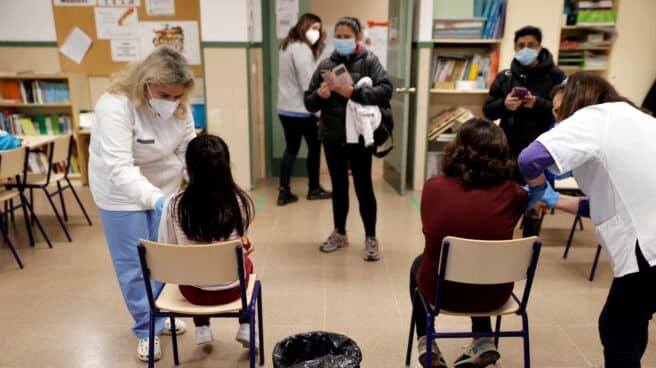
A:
(458, 28)
(34, 91)
(598, 4)
(606, 17)
(571, 58)
(447, 69)
(469, 19)
(21, 124)
(449, 120)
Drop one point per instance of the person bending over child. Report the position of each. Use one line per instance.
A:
(210, 209)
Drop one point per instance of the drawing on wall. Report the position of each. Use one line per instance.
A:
(181, 36)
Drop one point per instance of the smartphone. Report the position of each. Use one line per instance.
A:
(519, 92)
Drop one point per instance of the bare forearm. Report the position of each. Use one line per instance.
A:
(568, 203)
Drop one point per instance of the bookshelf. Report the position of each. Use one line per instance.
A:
(37, 104)
(461, 68)
(587, 35)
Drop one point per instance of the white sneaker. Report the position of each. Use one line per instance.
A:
(243, 334)
(204, 335)
(180, 327)
(142, 349)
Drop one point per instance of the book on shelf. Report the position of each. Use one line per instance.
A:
(586, 5)
(469, 19)
(448, 120)
(449, 68)
(22, 124)
(35, 91)
(606, 17)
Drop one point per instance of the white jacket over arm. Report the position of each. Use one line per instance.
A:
(135, 157)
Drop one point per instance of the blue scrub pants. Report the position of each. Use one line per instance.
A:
(123, 229)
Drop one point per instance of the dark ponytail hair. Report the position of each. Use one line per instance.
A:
(351, 22)
(297, 33)
(209, 208)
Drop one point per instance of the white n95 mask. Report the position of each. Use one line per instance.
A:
(164, 108)
(312, 36)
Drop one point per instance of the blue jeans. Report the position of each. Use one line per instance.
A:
(123, 229)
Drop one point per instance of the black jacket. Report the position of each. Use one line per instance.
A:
(363, 63)
(524, 125)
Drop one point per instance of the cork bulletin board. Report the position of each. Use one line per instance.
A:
(98, 59)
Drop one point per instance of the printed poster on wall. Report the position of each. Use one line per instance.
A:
(180, 35)
(116, 23)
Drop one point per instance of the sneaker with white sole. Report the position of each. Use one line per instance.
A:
(480, 354)
(142, 349)
(180, 327)
(437, 361)
(204, 335)
(371, 252)
(334, 242)
(243, 336)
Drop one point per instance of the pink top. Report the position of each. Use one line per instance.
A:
(170, 232)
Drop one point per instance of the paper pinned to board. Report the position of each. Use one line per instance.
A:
(160, 7)
(136, 3)
(116, 23)
(125, 50)
(75, 3)
(76, 45)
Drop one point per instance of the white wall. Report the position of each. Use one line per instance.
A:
(633, 60)
(27, 20)
(224, 20)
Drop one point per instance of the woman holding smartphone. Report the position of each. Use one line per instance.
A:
(340, 155)
(298, 57)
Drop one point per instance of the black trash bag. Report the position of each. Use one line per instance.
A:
(317, 349)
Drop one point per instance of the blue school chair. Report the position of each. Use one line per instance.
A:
(481, 262)
(210, 264)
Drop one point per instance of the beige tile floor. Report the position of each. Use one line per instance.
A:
(65, 309)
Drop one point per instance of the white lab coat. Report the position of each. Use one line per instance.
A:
(362, 119)
(611, 149)
(135, 157)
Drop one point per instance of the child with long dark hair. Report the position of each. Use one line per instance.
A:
(211, 208)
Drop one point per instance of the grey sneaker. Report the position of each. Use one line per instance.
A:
(480, 354)
(370, 252)
(436, 356)
(334, 242)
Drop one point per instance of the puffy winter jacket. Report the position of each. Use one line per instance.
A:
(362, 63)
(524, 125)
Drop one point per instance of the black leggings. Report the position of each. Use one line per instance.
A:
(479, 324)
(624, 321)
(358, 158)
(295, 129)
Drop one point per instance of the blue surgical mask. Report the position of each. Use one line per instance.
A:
(345, 46)
(526, 56)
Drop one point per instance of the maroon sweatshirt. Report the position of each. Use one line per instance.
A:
(448, 209)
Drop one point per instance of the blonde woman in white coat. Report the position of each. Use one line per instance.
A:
(137, 159)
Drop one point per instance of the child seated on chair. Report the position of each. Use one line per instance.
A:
(475, 199)
(211, 208)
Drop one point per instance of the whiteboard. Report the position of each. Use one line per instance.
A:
(27, 20)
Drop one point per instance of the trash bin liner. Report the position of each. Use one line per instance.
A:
(317, 349)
